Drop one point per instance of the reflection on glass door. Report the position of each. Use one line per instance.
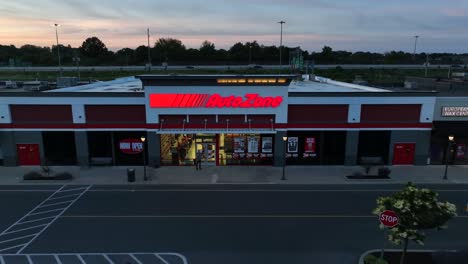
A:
(209, 152)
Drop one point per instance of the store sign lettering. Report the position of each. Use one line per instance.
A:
(455, 111)
(131, 146)
(250, 100)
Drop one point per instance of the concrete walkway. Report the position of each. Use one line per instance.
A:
(241, 174)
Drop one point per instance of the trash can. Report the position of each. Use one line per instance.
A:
(131, 175)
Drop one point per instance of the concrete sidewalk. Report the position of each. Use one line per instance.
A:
(241, 174)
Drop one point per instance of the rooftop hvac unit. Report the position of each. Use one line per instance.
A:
(36, 86)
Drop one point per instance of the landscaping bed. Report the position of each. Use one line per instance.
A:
(36, 176)
(420, 257)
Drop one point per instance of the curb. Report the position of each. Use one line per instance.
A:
(363, 255)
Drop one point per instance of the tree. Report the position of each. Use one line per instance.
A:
(169, 48)
(93, 48)
(418, 210)
(207, 48)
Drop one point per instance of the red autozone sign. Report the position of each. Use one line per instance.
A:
(250, 100)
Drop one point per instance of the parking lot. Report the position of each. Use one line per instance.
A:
(229, 224)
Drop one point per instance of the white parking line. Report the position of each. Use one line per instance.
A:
(108, 259)
(64, 196)
(160, 258)
(260, 190)
(69, 190)
(81, 259)
(16, 238)
(55, 204)
(134, 258)
(58, 256)
(23, 229)
(29, 259)
(35, 220)
(48, 211)
(8, 248)
(57, 259)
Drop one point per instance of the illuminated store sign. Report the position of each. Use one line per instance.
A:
(131, 146)
(250, 100)
(455, 111)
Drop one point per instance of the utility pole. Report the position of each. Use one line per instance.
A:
(415, 43)
(58, 49)
(281, 41)
(149, 50)
(426, 65)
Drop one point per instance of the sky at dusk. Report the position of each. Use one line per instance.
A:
(353, 25)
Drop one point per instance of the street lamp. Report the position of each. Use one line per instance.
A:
(450, 142)
(145, 178)
(58, 48)
(281, 41)
(283, 178)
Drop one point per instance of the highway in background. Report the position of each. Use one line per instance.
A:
(219, 67)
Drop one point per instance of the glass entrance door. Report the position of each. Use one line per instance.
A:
(209, 152)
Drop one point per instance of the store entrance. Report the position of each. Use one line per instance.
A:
(206, 143)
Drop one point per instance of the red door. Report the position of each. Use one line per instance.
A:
(403, 153)
(28, 154)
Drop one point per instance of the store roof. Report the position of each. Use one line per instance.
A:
(126, 84)
(319, 84)
(316, 85)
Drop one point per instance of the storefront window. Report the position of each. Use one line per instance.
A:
(177, 149)
(246, 149)
(315, 147)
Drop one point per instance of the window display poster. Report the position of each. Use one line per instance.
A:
(267, 144)
(461, 150)
(239, 144)
(292, 144)
(309, 145)
(253, 145)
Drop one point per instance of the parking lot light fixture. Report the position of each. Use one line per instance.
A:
(283, 178)
(145, 178)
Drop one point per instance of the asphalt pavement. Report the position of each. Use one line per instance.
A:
(221, 223)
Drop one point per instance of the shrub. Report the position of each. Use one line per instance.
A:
(371, 259)
(32, 176)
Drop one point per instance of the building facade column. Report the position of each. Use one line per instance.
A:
(154, 149)
(81, 146)
(8, 145)
(351, 149)
(279, 153)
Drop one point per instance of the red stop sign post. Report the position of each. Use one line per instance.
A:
(389, 218)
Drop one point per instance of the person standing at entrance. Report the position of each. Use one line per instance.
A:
(198, 159)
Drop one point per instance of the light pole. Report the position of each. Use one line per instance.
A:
(149, 51)
(283, 178)
(281, 42)
(58, 48)
(76, 59)
(145, 178)
(415, 43)
(449, 144)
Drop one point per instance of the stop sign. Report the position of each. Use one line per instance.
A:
(389, 218)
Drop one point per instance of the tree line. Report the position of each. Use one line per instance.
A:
(172, 51)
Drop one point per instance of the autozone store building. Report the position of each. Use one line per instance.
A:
(231, 119)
